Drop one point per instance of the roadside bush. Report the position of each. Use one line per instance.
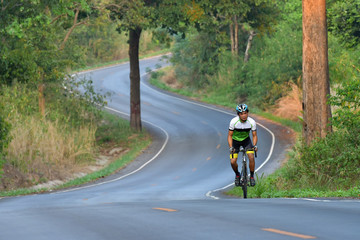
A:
(4, 140)
(332, 162)
(4, 134)
(43, 149)
(347, 104)
(48, 147)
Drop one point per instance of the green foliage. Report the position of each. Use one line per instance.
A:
(276, 59)
(344, 21)
(347, 103)
(32, 33)
(108, 131)
(4, 134)
(343, 63)
(196, 59)
(331, 163)
(203, 60)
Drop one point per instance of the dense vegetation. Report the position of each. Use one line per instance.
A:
(49, 130)
(206, 67)
(224, 54)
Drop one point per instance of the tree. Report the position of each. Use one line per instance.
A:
(135, 111)
(31, 43)
(132, 17)
(316, 86)
(250, 16)
(135, 16)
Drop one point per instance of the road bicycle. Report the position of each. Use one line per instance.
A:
(244, 180)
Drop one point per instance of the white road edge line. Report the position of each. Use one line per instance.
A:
(209, 194)
(136, 170)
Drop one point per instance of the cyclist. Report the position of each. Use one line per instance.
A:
(239, 135)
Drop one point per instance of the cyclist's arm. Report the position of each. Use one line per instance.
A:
(254, 137)
(230, 134)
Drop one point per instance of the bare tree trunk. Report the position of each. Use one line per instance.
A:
(248, 46)
(75, 24)
(232, 38)
(236, 36)
(135, 114)
(234, 30)
(316, 86)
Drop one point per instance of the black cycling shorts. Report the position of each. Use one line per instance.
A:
(247, 144)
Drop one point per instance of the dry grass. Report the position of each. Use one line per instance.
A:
(290, 106)
(43, 150)
(170, 79)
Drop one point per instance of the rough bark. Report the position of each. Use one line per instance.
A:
(135, 114)
(316, 87)
(236, 36)
(231, 27)
(248, 45)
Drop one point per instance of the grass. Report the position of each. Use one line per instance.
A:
(266, 187)
(114, 131)
(36, 141)
(217, 98)
(276, 184)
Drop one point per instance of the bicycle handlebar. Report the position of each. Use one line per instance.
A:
(250, 149)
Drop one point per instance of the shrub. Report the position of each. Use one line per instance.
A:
(347, 103)
(4, 134)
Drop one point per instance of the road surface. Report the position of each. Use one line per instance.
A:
(174, 189)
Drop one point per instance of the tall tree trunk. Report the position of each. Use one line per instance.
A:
(135, 114)
(316, 86)
(232, 38)
(236, 36)
(248, 46)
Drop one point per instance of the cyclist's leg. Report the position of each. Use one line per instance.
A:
(234, 157)
(251, 157)
(234, 164)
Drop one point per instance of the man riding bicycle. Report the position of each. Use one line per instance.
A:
(239, 135)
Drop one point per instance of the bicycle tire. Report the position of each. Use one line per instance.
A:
(244, 183)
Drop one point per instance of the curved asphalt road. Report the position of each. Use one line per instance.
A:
(173, 190)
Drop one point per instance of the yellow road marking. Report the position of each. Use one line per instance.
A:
(288, 233)
(208, 158)
(166, 209)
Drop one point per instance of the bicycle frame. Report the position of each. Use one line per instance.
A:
(244, 174)
(244, 171)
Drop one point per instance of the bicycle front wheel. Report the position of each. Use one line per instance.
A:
(244, 183)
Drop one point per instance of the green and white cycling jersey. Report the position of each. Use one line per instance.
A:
(242, 129)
